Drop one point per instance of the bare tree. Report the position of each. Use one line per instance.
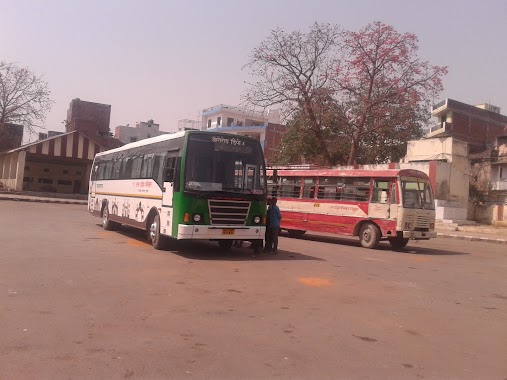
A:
(24, 97)
(294, 71)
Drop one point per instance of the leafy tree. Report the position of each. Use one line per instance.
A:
(300, 144)
(24, 97)
(375, 89)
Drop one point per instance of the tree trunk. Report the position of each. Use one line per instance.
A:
(318, 133)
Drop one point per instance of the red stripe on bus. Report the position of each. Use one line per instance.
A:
(334, 224)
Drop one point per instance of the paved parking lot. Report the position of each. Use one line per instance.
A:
(80, 302)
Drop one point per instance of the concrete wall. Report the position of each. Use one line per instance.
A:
(11, 170)
(452, 167)
(496, 214)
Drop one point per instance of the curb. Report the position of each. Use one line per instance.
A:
(44, 200)
(472, 238)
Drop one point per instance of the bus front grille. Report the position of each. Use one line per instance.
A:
(228, 212)
(422, 222)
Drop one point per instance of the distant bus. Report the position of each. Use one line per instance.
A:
(375, 205)
(189, 185)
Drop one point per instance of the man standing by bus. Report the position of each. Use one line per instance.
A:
(273, 226)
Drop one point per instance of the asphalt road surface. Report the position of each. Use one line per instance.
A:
(78, 302)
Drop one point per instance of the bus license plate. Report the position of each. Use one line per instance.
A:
(228, 231)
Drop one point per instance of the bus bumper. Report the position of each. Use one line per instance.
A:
(206, 232)
(420, 235)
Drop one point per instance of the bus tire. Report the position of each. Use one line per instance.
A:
(107, 224)
(225, 244)
(398, 242)
(296, 233)
(157, 240)
(369, 235)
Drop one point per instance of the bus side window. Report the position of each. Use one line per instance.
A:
(290, 187)
(330, 188)
(169, 169)
(272, 187)
(309, 188)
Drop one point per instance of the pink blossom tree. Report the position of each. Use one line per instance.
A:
(373, 82)
(385, 88)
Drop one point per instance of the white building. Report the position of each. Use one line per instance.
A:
(142, 130)
(231, 116)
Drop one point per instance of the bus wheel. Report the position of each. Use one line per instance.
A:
(156, 239)
(398, 242)
(369, 235)
(106, 223)
(296, 233)
(225, 244)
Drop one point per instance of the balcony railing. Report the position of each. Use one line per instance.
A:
(438, 105)
(441, 128)
(499, 184)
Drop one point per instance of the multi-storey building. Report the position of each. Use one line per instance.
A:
(92, 120)
(477, 125)
(142, 130)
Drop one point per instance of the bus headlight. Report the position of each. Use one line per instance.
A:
(197, 218)
(257, 219)
(408, 225)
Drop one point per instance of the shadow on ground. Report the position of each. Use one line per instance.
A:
(209, 250)
(353, 241)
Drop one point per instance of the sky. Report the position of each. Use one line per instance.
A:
(167, 60)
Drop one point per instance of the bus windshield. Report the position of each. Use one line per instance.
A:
(417, 193)
(224, 163)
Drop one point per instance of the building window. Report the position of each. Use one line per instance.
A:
(27, 167)
(78, 172)
(45, 180)
(219, 121)
(133, 139)
(64, 182)
(65, 172)
(503, 172)
(46, 170)
(209, 123)
(230, 121)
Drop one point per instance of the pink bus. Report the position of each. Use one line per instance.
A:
(394, 205)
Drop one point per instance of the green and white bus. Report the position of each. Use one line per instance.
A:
(190, 185)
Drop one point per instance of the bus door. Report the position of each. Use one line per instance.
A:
(380, 205)
(394, 200)
(169, 176)
(93, 181)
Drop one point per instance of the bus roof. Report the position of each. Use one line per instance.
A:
(165, 137)
(386, 173)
